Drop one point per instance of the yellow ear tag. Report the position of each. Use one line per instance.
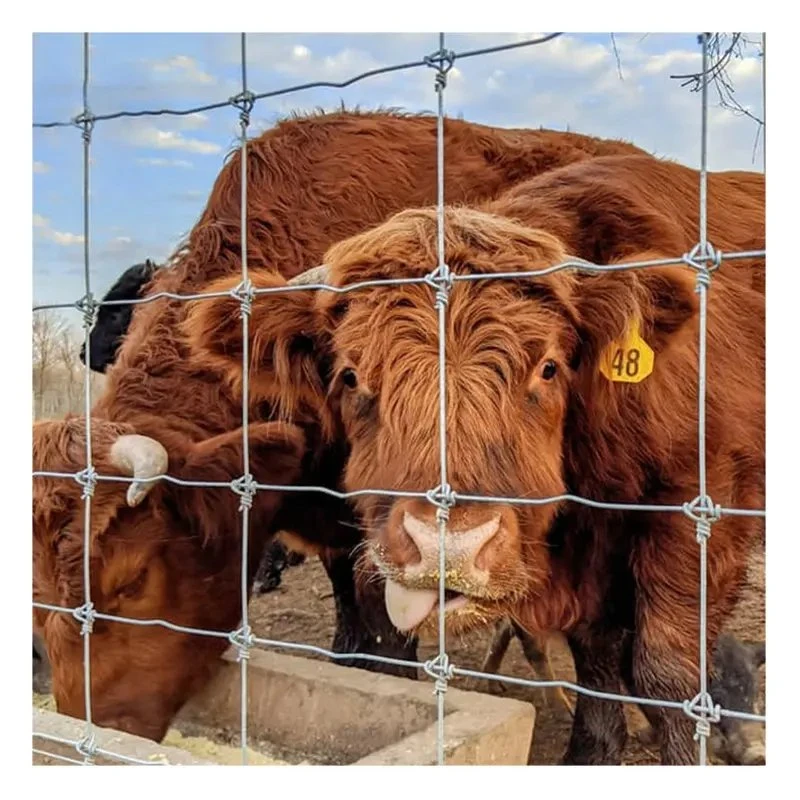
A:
(628, 359)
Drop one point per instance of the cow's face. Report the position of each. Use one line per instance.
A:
(520, 354)
(171, 553)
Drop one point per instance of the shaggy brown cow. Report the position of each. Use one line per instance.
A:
(530, 414)
(312, 181)
(141, 568)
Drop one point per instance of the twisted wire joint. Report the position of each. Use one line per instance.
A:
(242, 640)
(246, 488)
(89, 307)
(88, 479)
(85, 614)
(704, 513)
(441, 670)
(442, 61)
(244, 101)
(244, 293)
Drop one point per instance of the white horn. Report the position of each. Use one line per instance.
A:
(140, 457)
(314, 275)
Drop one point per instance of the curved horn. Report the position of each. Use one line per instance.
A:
(140, 457)
(314, 275)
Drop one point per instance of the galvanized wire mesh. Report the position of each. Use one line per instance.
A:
(703, 258)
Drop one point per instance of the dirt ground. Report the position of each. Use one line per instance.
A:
(301, 610)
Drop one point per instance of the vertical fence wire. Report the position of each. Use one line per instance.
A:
(703, 527)
(245, 106)
(443, 274)
(89, 315)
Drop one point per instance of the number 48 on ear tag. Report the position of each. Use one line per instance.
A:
(628, 359)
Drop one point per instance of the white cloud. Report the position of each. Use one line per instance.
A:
(150, 136)
(744, 69)
(39, 167)
(188, 68)
(193, 121)
(166, 162)
(44, 230)
(300, 51)
(680, 62)
(66, 238)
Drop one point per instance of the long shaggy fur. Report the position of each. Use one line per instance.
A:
(312, 181)
(622, 586)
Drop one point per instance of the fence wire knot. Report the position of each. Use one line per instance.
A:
(701, 255)
(85, 614)
(242, 640)
(441, 280)
(703, 512)
(244, 101)
(245, 294)
(441, 670)
(87, 747)
(89, 307)
(442, 61)
(703, 711)
(85, 121)
(88, 479)
(246, 488)
(444, 498)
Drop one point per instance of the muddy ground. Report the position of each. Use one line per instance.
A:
(301, 610)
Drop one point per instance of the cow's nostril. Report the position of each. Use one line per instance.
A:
(461, 546)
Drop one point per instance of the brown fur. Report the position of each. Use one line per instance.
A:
(142, 675)
(312, 181)
(593, 574)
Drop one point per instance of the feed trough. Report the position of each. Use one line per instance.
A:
(310, 712)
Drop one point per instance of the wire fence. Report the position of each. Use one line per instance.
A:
(704, 259)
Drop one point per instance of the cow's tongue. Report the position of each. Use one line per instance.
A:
(408, 607)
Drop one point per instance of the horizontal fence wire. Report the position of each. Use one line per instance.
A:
(425, 666)
(703, 259)
(472, 498)
(304, 86)
(571, 264)
(78, 745)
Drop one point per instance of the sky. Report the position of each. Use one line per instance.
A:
(151, 175)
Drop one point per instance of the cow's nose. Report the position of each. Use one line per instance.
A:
(462, 547)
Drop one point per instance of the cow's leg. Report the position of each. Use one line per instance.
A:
(362, 624)
(536, 654)
(648, 736)
(666, 645)
(42, 677)
(501, 638)
(669, 674)
(599, 732)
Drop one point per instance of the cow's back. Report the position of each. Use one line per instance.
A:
(313, 181)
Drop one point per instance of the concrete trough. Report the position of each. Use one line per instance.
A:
(304, 711)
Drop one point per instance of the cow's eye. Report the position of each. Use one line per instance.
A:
(549, 370)
(135, 586)
(349, 378)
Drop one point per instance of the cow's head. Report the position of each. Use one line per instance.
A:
(158, 551)
(522, 355)
(113, 321)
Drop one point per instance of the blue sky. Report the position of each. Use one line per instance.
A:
(150, 176)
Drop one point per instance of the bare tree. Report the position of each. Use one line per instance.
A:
(58, 374)
(47, 327)
(723, 50)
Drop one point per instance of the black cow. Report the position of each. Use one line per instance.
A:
(113, 321)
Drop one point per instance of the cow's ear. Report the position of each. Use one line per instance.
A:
(276, 451)
(659, 301)
(287, 350)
